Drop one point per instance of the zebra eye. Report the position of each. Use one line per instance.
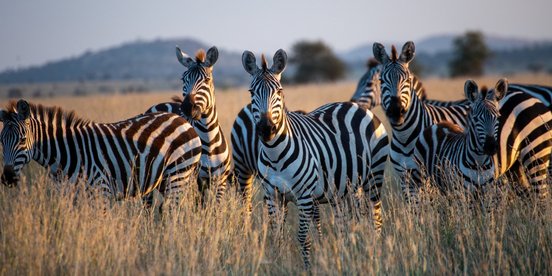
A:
(22, 140)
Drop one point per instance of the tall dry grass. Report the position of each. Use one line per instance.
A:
(43, 230)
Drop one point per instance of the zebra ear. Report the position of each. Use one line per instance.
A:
(471, 90)
(279, 62)
(379, 53)
(407, 53)
(249, 62)
(23, 110)
(212, 57)
(501, 88)
(183, 58)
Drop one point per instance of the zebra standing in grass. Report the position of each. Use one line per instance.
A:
(525, 140)
(198, 106)
(314, 158)
(129, 158)
(245, 143)
(445, 149)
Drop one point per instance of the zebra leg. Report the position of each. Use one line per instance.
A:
(202, 187)
(221, 188)
(316, 219)
(174, 188)
(246, 188)
(306, 207)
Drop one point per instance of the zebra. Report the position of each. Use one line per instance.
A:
(128, 158)
(525, 139)
(198, 106)
(314, 158)
(245, 145)
(445, 147)
(368, 91)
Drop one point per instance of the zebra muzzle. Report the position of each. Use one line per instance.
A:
(491, 146)
(190, 109)
(9, 177)
(266, 128)
(395, 111)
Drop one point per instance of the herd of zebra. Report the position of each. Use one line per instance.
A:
(308, 158)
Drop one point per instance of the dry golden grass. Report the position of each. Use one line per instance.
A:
(42, 230)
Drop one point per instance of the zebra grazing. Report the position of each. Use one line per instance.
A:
(445, 149)
(198, 106)
(524, 136)
(314, 158)
(128, 158)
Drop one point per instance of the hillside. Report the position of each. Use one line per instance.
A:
(154, 62)
(150, 60)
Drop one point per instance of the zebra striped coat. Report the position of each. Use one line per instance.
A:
(445, 153)
(198, 106)
(127, 158)
(525, 140)
(314, 158)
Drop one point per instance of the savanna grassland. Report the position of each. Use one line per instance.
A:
(44, 230)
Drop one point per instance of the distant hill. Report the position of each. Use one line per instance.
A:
(139, 60)
(154, 62)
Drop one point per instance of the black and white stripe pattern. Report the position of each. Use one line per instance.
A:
(525, 139)
(314, 158)
(446, 153)
(368, 91)
(198, 106)
(128, 158)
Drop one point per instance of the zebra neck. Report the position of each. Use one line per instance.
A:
(55, 142)
(280, 140)
(208, 127)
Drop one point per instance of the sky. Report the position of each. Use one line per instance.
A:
(33, 32)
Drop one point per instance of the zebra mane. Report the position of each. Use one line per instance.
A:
(264, 64)
(200, 55)
(394, 55)
(70, 117)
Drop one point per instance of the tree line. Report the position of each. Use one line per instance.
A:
(315, 61)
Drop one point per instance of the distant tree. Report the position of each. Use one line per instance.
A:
(470, 53)
(315, 61)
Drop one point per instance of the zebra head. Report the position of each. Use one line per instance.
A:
(267, 99)
(484, 115)
(197, 82)
(368, 92)
(16, 141)
(396, 81)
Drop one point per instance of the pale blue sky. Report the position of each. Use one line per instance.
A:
(35, 31)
